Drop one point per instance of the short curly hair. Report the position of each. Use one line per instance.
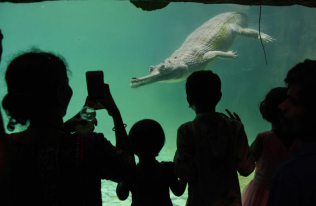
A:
(303, 74)
(269, 107)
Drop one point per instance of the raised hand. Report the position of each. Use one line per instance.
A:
(108, 102)
(232, 116)
(97, 106)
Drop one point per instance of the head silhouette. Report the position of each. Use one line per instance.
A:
(37, 85)
(299, 108)
(269, 107)
(147, 137)
(203, 89)
(303, 75)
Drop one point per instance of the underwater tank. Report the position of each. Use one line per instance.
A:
(123, 42)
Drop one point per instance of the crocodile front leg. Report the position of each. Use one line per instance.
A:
(255, 34)
(212, 55)
(250, 33)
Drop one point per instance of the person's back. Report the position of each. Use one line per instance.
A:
(256, 193)
(216, 145)
(294, 181)
(52, 171)
(211, 148)
(65, 171)
(273, 153)
(153, 180)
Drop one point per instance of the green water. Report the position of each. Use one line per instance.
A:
(124, 41)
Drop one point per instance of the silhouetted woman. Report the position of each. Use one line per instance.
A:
(50, 165)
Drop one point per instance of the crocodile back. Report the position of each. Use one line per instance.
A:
(215, 34)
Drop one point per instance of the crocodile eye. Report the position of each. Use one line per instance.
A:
(151, 68)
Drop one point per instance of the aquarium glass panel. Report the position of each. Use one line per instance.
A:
(124, 41)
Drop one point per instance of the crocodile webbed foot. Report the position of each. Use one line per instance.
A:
(265, 37)
(231, 54)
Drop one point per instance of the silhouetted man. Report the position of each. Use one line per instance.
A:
(294, 181)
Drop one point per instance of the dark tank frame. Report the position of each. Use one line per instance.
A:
(162, 3)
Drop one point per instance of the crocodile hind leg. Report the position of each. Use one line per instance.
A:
(212, 55)
(250, 33)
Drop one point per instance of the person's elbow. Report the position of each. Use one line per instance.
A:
(247, 169)
(245, 174)
(179, 188)
(122, 196)
(122, 191)
(178, 193)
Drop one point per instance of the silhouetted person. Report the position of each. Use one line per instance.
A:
(153, 180)
(211, 148)
(294, 181)
(4, 155)
(269, 149)
(50, 165)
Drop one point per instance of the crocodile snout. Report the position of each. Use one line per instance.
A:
(134, 82)
(141, 81)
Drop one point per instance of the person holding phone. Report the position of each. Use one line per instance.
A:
(51, 163)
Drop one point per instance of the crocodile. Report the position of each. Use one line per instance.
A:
(203, 47)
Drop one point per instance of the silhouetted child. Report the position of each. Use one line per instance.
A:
(211, 148)
(269, 149)
(153, 180)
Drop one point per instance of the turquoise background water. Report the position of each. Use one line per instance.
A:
(124, 41)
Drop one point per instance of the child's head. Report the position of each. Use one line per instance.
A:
(203, 89)
(269, 107)
(147, 138)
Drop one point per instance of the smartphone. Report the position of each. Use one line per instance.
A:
(95, 85)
